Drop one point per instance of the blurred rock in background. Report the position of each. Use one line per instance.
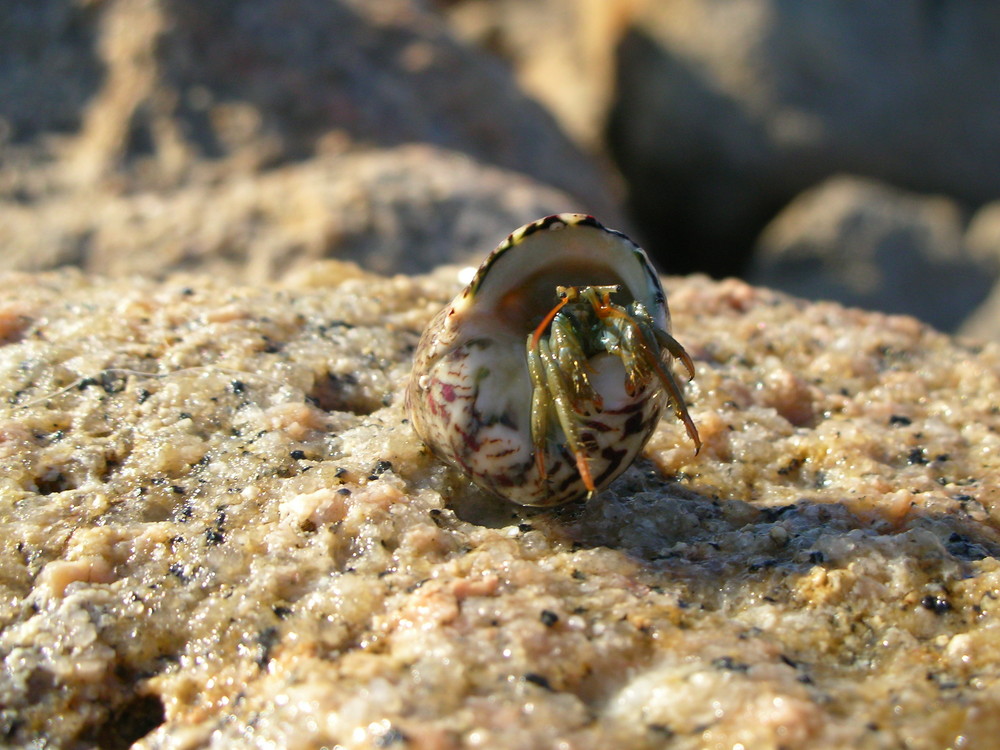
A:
(869, 245)
(719, 113)
(562, 52)
(401, 209)
(245, 137)
(726, 109)
(983, 244)
(147, 136)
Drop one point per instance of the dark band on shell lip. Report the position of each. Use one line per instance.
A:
(552, 222)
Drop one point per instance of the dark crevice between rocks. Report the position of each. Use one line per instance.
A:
(673, 199)
(52, 482)
(129, 722)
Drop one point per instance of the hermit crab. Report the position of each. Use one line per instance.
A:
(545, 377)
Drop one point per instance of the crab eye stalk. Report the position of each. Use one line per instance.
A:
(546, 376)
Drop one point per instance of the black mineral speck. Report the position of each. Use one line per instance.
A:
(936, 604)
(266, 639)
(662, 730)
(237, 386)
(916, 457)
(85, 383)
(214, 537)
(298, 455)
(729, 664)
(392, 736)
(380, 468)
(536, 679)
(965, 549)
(177, 570)
(898, 420)
(548, 618)
(110, 382)
(790, 467)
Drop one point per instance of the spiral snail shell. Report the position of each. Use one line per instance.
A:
(545, 377)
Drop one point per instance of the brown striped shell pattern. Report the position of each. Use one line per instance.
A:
(545, 377)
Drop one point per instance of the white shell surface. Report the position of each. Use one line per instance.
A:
(470, 394)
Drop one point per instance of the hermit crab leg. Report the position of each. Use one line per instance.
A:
(564, 298)
(549, 390)
(540, 396)
(558, 392)
(618, 337)
(649, 352)
(549, 371)
(673, 346)
(572, 361)
(540, 402)
(677, 398)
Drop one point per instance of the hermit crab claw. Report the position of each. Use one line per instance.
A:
(546, 376)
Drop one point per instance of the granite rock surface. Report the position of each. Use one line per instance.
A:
(218, 530)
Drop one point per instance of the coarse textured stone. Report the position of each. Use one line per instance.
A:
(864, 243)
(218, 530)
(726, 109)
(404, 209)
